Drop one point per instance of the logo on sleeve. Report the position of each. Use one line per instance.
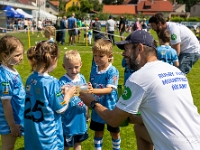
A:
(173, 36)
(127, 93)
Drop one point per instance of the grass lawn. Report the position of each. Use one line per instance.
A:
(127, 134)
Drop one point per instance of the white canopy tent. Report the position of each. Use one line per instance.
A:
(26, 15)
(43, 15)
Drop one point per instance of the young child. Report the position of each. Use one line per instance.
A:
(165, 52)
(90, 36)
(74, 119)
(44, 101)
(104, 80)
(49, 33)
(12, 92)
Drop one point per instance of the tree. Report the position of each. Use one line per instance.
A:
(86, 6)
(96, 5)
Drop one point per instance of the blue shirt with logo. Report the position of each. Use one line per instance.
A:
(103, 79)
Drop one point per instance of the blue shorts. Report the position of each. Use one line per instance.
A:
(71, 140)
(96, 126)
(187, 60)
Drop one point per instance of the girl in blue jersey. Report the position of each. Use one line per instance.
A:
(49, 33)
(12, 93)
(44, 101)
(104, 80)
(74, 118)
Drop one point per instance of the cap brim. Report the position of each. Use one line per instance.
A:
(121, 44)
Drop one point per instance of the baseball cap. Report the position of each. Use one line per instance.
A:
(138, 36)
(100, 36)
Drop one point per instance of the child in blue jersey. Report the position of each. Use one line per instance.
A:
(127, 71)
(49, 33)
(103, 84)
(12, 93)
(165, 52)
(44, 101)
(74, 118)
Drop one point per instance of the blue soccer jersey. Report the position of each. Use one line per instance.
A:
(167, 54)
(127, 71)
(103, 79)
(74, 118)
(11, 88)
(43, 105)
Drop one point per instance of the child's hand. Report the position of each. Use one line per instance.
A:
(15, 130)
(69, 90)
(90, 88)
(87, 117)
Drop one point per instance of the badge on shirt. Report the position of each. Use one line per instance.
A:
(127, 93)
(173, 37)
(6, 89)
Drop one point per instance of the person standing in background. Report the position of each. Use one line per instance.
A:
(110, 28)
(63, 27)
(96, 26)
(72, 24)
(122, 27)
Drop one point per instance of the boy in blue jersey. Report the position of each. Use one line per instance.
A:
(104, 80)
(49, 33)
(44, 101)
(12, 93)
(165, 52)
(127, 71)
(74, 118)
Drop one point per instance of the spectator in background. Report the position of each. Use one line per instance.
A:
(40, 28)
(79, 25)
(96, 26)
(138, 26)
(63, 27)
(144, 25)
(110, 28)
(122, 27)
(72, 24)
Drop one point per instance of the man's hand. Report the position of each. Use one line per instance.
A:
(86, 98)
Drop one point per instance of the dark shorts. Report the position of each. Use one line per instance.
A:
(100, 127)
(72, 32)
(71, 140)
(187, 60)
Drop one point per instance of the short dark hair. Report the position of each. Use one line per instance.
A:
(164, 35)
(159, 17)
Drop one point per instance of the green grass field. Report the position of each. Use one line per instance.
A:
(127, 134)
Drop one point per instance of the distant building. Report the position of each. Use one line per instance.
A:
(52, 7)
(195, 10)
(71, 3)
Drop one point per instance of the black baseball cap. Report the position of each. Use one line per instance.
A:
(138, 36)
(100, 36)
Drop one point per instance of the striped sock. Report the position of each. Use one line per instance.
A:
(116, 144)
(98, 143)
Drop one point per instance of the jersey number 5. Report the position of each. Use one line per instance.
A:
(36, 108)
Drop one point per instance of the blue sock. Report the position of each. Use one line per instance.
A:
(116, 144)
(98, 143)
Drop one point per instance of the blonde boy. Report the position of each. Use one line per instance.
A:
(74, 118)
(103, 84)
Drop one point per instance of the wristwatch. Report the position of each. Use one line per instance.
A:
(93, 104)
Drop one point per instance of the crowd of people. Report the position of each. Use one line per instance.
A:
(53, 113)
